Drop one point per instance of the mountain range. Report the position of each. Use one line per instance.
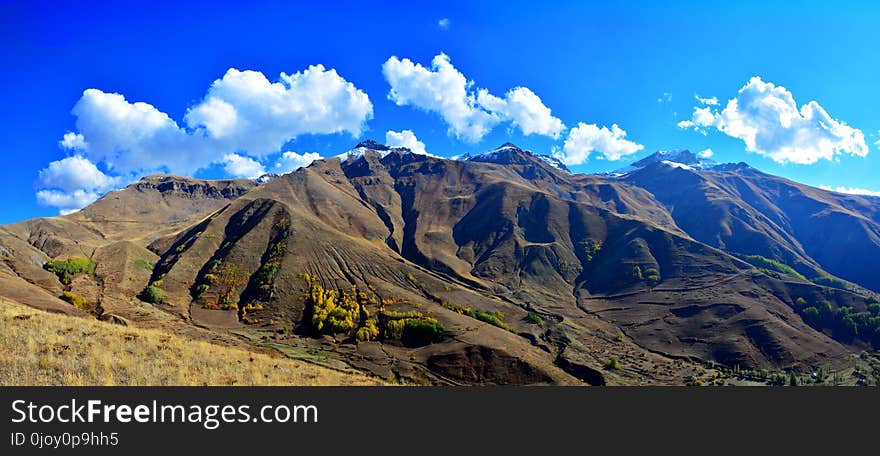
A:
(499, 268)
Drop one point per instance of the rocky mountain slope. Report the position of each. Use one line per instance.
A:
(500, 268)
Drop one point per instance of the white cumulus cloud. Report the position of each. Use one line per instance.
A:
(443, 23)
(74, 173)
(66, 202)
(586, 139)
(71, 183)
(242, 113)
(850, 190)
(73, 141)
(131, 137)
(767, 119)
(405, 138)
(526, 111)
(243, 110)
(241, 166)
(291, 161)
(470, 112)
(706, 153)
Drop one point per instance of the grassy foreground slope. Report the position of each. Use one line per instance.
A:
(41, 348)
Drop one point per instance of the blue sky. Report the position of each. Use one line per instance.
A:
(555, 78)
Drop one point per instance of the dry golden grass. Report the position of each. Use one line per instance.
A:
(40, 348)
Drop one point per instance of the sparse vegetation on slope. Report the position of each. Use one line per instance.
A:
(39, 348)
(830, 281)
(67, 269)
(590, 248)
(766, 264)
(493, 318)
(345, 313)
(77, 301)
(144, 264)
(844, 322)
(153, 294)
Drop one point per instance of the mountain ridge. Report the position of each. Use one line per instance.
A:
(528, 273)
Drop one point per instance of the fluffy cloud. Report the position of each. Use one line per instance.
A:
(706, 153)
(73, 141)
(245, 111)
(240, 166)
(405, 138)
(470, 113)
(72, 183)
(74, 173)
(526, 111)
(443, 23)
(767, 119)
(66, 202)
(131, 137)
(291, 161)
(584, 139)
(850, 190)
(242, 112)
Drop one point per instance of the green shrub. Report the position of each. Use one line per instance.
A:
(153, 294)
(591, 248)
(393, 329)
(67, 269)
(422, 331)
(535, 319)
(637, 273)
(332, 312)
(652, 275)
(830, 281)
(144, 264)
(800, 303)
(370, 331)
(612, 364)
(811, 315)
(494, 319)
(202, 288)
(772, 265)
(76, 300)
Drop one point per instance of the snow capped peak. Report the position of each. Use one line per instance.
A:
(683, 159)
(509, 153)
(495, 153)
(370, 146)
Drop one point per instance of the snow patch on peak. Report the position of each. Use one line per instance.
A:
(554, 162)
(370, 146)
(682, 158)
(677, 165)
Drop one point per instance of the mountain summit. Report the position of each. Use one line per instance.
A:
(510, 154)
(675, 158)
